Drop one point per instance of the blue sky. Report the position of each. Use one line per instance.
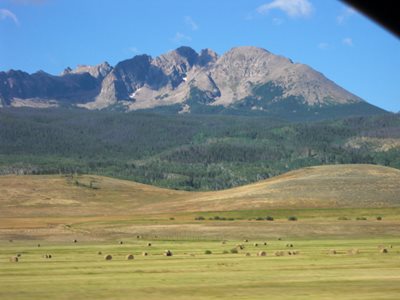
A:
(341, 43)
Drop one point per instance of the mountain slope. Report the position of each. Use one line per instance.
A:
(244, 80)
(333, 186)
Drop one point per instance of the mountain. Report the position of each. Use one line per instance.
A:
(244, 80)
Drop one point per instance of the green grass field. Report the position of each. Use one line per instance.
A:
(77, 271)
(337, 207)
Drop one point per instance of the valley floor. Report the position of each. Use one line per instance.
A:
(77, 271)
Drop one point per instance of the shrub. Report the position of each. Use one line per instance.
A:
(379, 218)
(234, 250)
(208, 252)
(292, 218)
(361, 218)
(259, 219)
(199, 218)
(225, 252)
(172, 218)
(216, 218)
(230, 219)
(269, 218)
(343, 218)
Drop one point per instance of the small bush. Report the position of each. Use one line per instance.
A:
(216, 218)
(259, 219)
(172, 218)
(230, 219)
(225, 252)
(361, 218)
(234, 251)
(208, 252)
(343, 219)
(292, 218)
(269, 218)
(379, 218)
(199, 218)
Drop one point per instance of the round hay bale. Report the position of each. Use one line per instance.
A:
(247, 254)
(353, 251)
(384, 250)
(167, 253)
(262, 253)
(381, 246)
(289, 252)
(18, 255)
(295, 252)
(108, 257)
(255, 245)
(121, 242)
(240, 246)
(14, 259)
(145, 253)
(138, 236)
(75, 241)
(49, 256)
(246, 241)
(332, 251)
(265, 243)
(289, 245)
(279, 253)
(38, 245)
(148, 244)
(99, 253)
(129, 257)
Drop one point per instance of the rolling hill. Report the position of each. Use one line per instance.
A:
(333, 186)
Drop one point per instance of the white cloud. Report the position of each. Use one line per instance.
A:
(323, 45)
(191, 23)
(134, 50)
(347, 13)
(180, 37)
(277, 21)
(5, 13)
(348, 42)
(293, 8)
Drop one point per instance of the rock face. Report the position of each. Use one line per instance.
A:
(244, 79)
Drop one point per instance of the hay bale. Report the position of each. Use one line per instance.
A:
(108, 257)
(247, 254)
(332, 251)
(289, 245)
(279, 253)
(75, 241)
(265, 243)
(145, 253)
(99, 253)
(240, 246)
(246, 241)
(255, 244)
(381, 246)
(167, 253)
(121, 242)
(148, 244)
(295, 252)
(14, 259)
(289, 252)
(49, 256)
(353, 251)
(18, 255)
(384, 250)
(262, 253)
(38, 245)
(129, 257)
(138, 236)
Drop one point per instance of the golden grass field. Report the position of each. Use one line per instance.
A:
(336, 208)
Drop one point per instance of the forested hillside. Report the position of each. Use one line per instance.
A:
(191, 152)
